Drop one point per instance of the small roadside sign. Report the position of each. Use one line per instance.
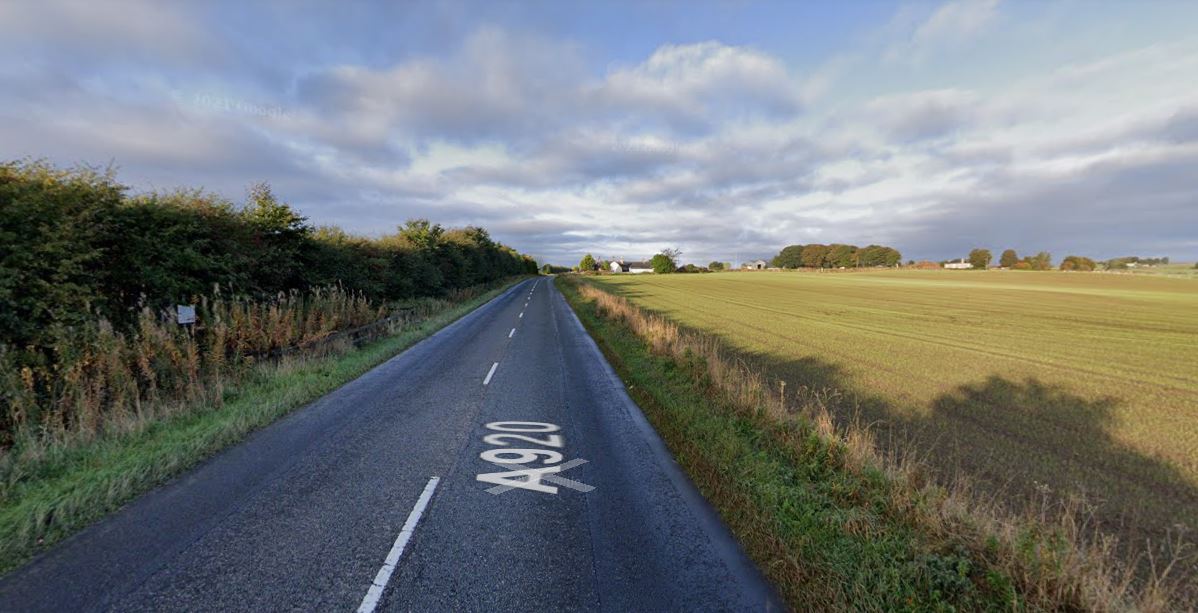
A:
(186, 313)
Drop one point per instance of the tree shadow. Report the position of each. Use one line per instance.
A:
(1020, 440)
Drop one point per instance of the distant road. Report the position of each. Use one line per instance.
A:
(391, 494)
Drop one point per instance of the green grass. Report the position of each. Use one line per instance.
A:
(46, 499)
(825, 534)
(1066, 383)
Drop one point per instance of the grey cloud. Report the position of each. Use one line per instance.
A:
(1105, 211)
(923, 115)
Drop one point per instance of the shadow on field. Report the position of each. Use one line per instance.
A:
(1024, 442)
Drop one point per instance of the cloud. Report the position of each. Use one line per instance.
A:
(925, 114)
(956, 21)
(723, 150)
(698, 83)
(491, 87)
(953, 24)
(92, 32)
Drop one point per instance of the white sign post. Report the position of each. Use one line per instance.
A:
(186, 314)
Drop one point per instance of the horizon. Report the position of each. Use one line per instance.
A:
(727, 130)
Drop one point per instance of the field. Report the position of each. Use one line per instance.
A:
(1032, 385)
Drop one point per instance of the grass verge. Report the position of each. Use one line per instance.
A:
(832, 523)
(67, 488)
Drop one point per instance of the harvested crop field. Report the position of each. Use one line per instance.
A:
(1029, 383)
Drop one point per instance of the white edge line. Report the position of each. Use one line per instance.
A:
(491, 373)
(405, 534)
(512, 333)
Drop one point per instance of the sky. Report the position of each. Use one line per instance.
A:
(724, 129)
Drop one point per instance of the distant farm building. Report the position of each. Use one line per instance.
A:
(632, 267)
(960, 264)
(755, 265)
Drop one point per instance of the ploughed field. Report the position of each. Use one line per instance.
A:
(1029, 383)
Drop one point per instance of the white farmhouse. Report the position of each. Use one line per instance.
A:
(635, 268)
(960, 264)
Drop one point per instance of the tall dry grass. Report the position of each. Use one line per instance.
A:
(95, 379)
(1054, 557)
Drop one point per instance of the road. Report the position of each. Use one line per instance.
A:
(389, 494)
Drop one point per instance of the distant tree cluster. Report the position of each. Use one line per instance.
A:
(836, 256)
(1077, 262)
(1010, 259)
(74, 246)
(1127, 262)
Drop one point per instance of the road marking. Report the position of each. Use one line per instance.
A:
(405, 534)
(550, 476)
(490, 373)
(521, 314)
(512, 333)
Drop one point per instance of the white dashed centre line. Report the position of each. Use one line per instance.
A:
(521, 314)
(405, 534)
(512, 333)
(491, 373)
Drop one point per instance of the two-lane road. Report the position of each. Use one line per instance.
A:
(497, 465)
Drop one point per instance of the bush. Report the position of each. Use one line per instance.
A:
(73, 246)
(89, 276)
(662, 264)
(1077, 262)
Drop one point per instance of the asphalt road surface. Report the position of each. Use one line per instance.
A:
(497, 465)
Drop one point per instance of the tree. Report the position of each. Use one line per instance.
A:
(715, 266)
(1040, 261)
(1008, 259)
(791, 256)
(980, 258)
(662, 264)
(813, 255)
(891, 257)
(587, 263)
(841, 256)
(872, 255)
(1077, 262)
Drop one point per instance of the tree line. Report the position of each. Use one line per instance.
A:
(75, 246)
(836, 255)
(981, 258)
